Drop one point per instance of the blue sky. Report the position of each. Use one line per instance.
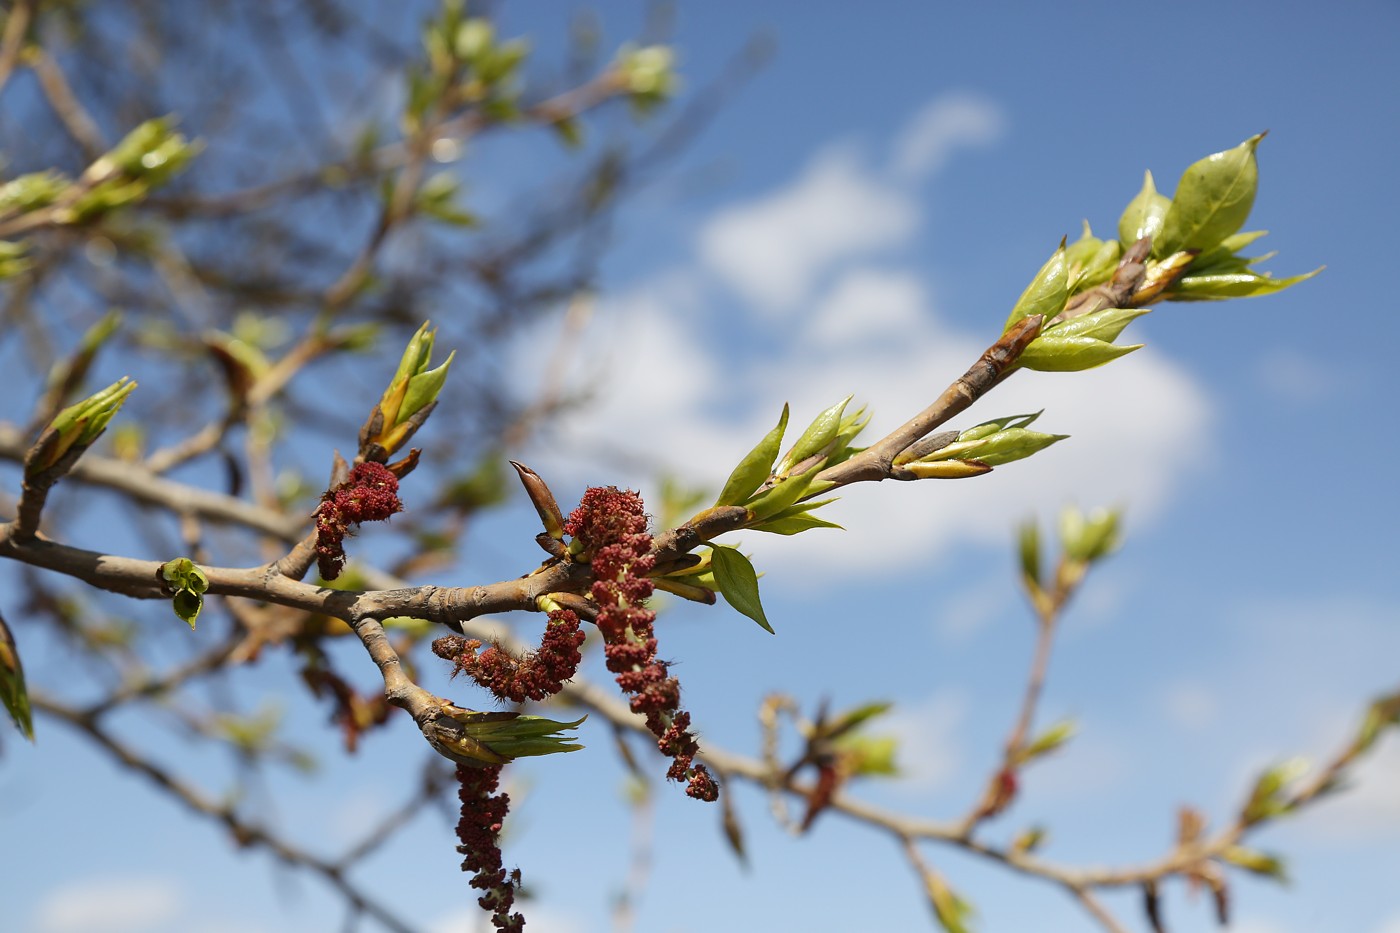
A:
(860, 219)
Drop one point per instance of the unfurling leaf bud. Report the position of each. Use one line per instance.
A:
(77, 426)
(1028, 549)
(13, 693)
(408, 400)
(187, 584)
(1144, 214)
(483, 739)
(1086, 539)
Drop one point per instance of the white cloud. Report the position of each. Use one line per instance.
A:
(945, 124)
(1368, 808)
(1391, 925)
(679, 382)
(108, 905)
(929, 751)
(773, 249)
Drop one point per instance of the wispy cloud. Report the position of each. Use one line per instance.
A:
(108, 905)
(683, 380)
(944, 125)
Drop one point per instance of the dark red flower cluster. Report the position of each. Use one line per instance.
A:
(479, 832)
(369, 494)
(538, 675)
(612, 525)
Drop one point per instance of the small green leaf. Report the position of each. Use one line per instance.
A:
(1028, 549)
(1215, 287)
(1101, 325)
(1049, 740)
(851, 718)
(1071, 354)
(783, 495)
(424, 388)
(737, 581)
(1212, 200)
(794, 524)
(187, 604)
(1144, 214)
(821, 432)
(1225, 254)
(1047, 293)
(755, 467)
(1261, 863)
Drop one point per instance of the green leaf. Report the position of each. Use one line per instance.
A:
(1261, 863)
(1071, 354)
(1212, 200)
(1144, 214)
(187, 604)
(783, 495)
(870, 755)
(13, 692)
(1047, 293)
(794, 524)
(424, 388)
(851, 718)
(1226, 253)
(821, 432)
(1101, 325)
(1049, 740)
(1028, 549)
(1216, 287)
(737, 581)
(755, 467)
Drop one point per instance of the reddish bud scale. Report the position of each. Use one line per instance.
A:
(539, 674)
(612, 525)
(369, 494)
(478, 832)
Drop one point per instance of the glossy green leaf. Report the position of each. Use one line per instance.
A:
(1217, 287)
(1212, 200)
(783, 495)
(424, 388)
(1226, 252)
(794, 524)
(1144, 214)
(187, 604)
(1101, 325)
(755, 467)
(737, 581)
(1071, 354)
(13, 692)
(821, 432)
(1047, 293)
